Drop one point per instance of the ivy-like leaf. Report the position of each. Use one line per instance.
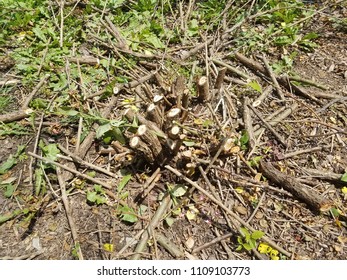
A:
(91, 196)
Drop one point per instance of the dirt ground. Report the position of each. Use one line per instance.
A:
(318, 126)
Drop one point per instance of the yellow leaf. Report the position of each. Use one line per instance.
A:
(264, 248)
(344, 190)
(239, 190)
(191, 213)
(108, 247)
(274, 254)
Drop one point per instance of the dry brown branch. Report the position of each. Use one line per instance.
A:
(174, 132)
(283, 80)
(308, 82)
(159, 214)
(273, 77)
(139, 146)
(131, 115)
(256, 208)
(150, 182)
(300, 191)
(151, 140)
(235, 218)
(268, 126)
(232, 69)
(220, 78)
(214, 241)
(24, 257)
(203, 89)
(33, 160)
(74, 172)
(78, 160)
(153, 114)
(169, 246)
(325, 175)
(178, 90)
(69, 215)
(277, 118)
(300, 152)
(9, 82)
(122, 44)
(90, 60)
(24, 111)
(262, 96)
(247, 119)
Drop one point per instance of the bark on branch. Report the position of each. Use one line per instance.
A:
(316, 202)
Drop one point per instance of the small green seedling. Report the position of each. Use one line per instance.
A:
(248, 240)
(97, 196)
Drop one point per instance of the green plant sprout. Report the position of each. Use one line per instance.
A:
(248, 240)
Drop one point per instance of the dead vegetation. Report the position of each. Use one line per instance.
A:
(199, 150)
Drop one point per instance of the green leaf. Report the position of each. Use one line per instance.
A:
(128, 214)
(252, 243)
(244, 139)
(20, 150)
(179, 190)
(247, 246)
(123, 182)
(9, 190)
(102, 129)
(257, 234)
(91, 196)
(5, 218)
(189, 143)
(155, 41)
(255, 85)
(98, 189)
(245, 232)
(50, 151)
(335, 212)
(119, 135)
(91, 174)
(8, 164)
(67, 112)
(344, 177)
(100, 199)
(39, 103)
(39, 181)
(38, 32)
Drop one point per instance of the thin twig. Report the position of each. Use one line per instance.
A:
(165, 204)
(69, 215)
(34, 91)
(214, 241)
(77, 173)
(273, 78)
(231, 213)
(256, 208)
(78, 160)
(269, 127)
